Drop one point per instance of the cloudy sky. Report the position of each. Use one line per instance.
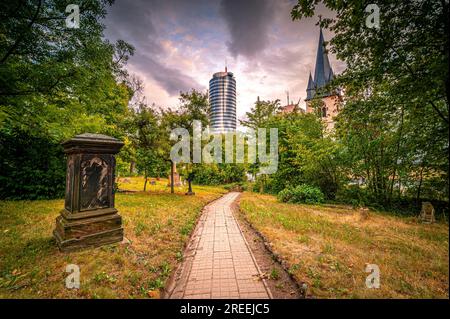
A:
(180, 44)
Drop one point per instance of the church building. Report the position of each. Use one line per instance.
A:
(323, 75)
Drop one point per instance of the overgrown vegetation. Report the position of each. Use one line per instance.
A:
(54, 83)
(389, 149)
(301, 194)
(328, 248)
(157, 223)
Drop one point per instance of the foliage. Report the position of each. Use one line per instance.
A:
(327, 248)
(306, 155)
(260, 113)
(408, 53)
(32, 166)
(147, 138)
(30, 262)
(393, 130)
(216, 174)
(236, 187)
(55, 83)
(301, 194)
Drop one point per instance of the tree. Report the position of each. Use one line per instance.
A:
(409, 52)
(306, 155)
(55, 83)
(260, 113)
(394, 125)
(148, 140)
(193, 106)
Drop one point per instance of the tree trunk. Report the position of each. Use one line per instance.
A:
(419, 189)
(171, 177)
(145, 182)
(132, 166)
(397, 154)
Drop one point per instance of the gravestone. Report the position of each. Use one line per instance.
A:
(427, 213)
(126, 180)
(89, 218)
(176, 176)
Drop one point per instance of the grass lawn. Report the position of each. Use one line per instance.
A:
(329, 247)
(156, 222)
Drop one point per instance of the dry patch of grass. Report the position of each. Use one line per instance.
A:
(329, 247)
(156, 222)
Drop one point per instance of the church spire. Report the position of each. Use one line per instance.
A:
(323, 72)
(310, 90)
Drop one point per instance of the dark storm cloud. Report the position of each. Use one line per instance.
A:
(248, 23)
(136, 22)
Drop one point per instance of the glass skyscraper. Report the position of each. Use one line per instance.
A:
(222, 100)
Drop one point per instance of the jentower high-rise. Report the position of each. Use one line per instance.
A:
(222, 100)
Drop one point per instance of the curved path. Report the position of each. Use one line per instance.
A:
(218, 262)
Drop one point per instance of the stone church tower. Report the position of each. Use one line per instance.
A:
(323, 75)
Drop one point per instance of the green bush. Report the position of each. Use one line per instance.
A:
(216, 174)
(236, 187)
(302, 194)
(353, 195)
(264, 184)
(32, 166)
(285, 195)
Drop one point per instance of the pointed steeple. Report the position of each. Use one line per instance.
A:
(310, 90)
(323, 70)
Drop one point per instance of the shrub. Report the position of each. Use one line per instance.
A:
(236, 187)
(285, 195)
(32, 166)
(214, 174)
(353, 195)
(264, 184)
(302, 194)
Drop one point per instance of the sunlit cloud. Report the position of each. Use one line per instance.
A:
(180, 44)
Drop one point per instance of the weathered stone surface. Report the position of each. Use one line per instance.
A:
(427, 213)
(89, 218)
(176, 177)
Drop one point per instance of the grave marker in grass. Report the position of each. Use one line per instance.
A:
(89, 218)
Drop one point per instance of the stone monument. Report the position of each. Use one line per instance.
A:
(427, 213)
(89, 218)
(176, 176)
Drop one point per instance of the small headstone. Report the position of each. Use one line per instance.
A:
(364, 213)
(125, 241)
(427, 213)
(176, 177)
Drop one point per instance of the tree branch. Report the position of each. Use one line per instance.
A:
(20, 38)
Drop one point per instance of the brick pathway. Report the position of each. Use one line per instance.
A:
(218, 262)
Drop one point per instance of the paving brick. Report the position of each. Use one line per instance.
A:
(222, 264)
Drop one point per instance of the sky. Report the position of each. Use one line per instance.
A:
(180, 44)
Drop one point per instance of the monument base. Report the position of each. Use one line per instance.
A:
(75, 234)
(176, 180)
